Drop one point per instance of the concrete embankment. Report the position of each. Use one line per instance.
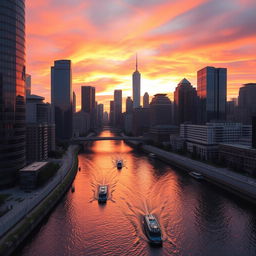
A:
(18, 233)
(238, 184)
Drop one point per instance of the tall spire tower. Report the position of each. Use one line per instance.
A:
(136, 86)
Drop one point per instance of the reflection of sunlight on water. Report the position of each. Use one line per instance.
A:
(155, 201)
(103, 176)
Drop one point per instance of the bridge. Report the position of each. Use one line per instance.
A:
(85, 139)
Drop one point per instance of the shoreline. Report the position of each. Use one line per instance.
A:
(17, 234)
(240, 185)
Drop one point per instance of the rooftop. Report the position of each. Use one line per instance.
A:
(33, 167)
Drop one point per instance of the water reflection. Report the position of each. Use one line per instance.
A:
(195, 218)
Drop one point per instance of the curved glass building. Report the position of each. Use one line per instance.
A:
(12, 89)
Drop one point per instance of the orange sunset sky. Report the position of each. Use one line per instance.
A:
(173, 38)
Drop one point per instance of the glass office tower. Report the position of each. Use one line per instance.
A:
(12, 89)
(212, 92)
(61, 98)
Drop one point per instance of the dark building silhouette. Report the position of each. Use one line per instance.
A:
(111, 113)
(247, 102)
(61, 98)
(89, 104)
(254, 132)
(146, 100)
(185, 103)
(212, 92)
(160, 110)
(88, 98)
(100, 112)
(129, 105)
(12, 90)
(140, 121)
(40, 130)
(74, 102)
(117, 108)
(136, 86)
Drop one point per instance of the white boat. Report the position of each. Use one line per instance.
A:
(102, 193)
(152, 155)
(152, 229)
(196, 175)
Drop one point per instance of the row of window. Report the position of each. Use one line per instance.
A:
(5, 50)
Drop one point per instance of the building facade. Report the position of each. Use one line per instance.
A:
(117, 108)
(61, 98)
(160, 110)
(12, 90)
(247, 102)
(185, 103)
(212, 93)
(136, 86)
(146, 100)
(129, 105)
(202, 140)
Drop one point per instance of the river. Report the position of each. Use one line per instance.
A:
(196, 218)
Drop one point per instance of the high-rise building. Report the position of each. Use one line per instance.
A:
(61, 98)
(247, 102)
(129, 105)
(136, 86)
(117, 107)
(74, 102)
(40, 131)
(160, 110)
(100, 111)
(212, 92)
(12, 90)
(254, 132)
(28, 84)
(185, 103)
(89, 104)
(105, 118)
(111, 113)
(146, 100)
(88, 98)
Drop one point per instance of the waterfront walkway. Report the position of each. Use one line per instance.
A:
(242, 185)
(22, 203)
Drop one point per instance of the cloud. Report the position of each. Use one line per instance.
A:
(173, 38)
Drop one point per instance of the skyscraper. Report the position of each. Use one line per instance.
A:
(12, 90)
(89, 104)
(74, 102)
(146, 100)
(61, 98)
(185, 103)
(88, 98)
(111, 113)
(117, 107)
(136, 86)
(160, 110)
(28, 84)
(212, 92)
(129, 105)
(247, 102)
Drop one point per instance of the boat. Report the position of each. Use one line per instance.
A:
(102, 193)
(119, 164)
(152, 155)
(152, 229)
(79, 169)
(196, 175)
(73, 189)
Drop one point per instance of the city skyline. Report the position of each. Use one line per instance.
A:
(167, 44)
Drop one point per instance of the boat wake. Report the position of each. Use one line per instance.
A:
(102, 176)
(135, 205)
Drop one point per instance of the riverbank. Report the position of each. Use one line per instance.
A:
(238, 184)
(20, 222)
